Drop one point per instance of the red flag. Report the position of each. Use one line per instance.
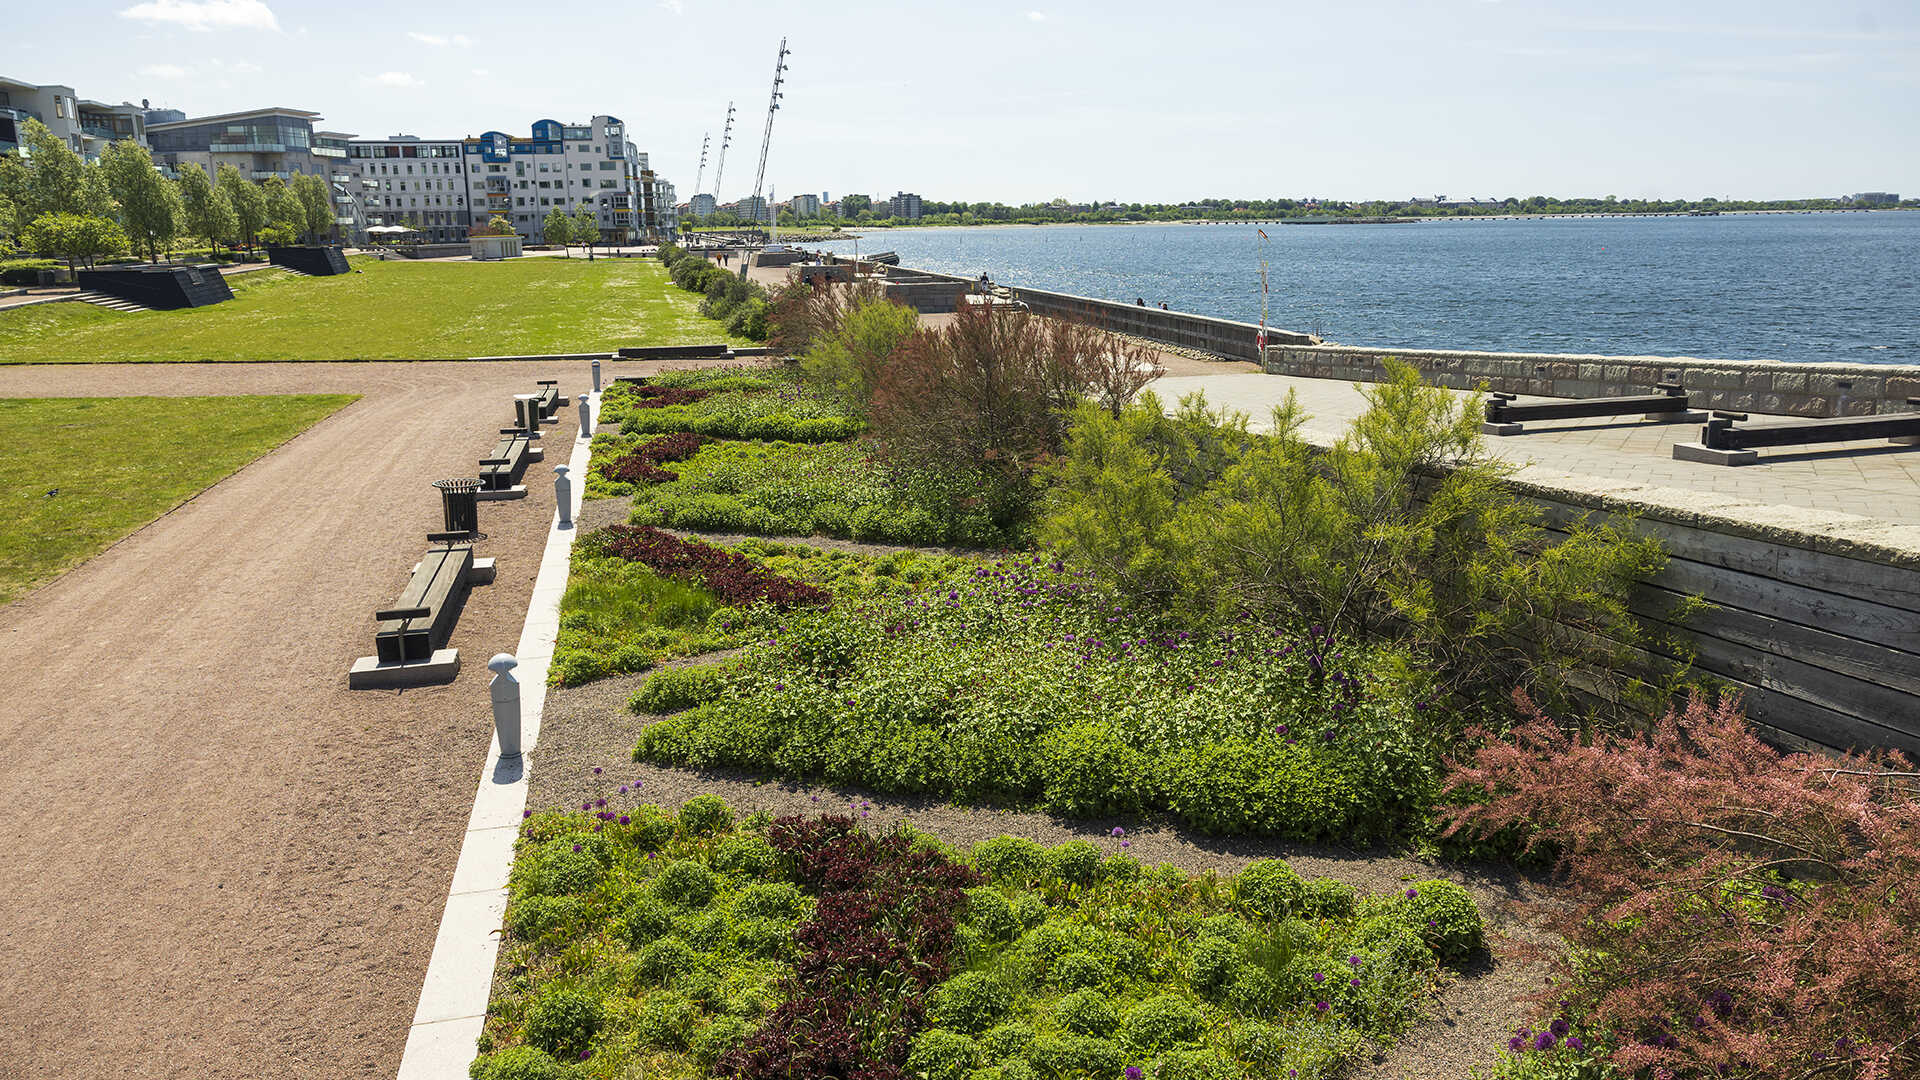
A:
(1262, 232)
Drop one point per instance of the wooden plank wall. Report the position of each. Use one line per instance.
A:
(1824, 648)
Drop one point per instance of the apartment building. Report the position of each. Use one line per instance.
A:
(702, 205)
(565, 166)
(86, 126)
(415, 182)
(904, 204)
(273, 141)
(806, 206)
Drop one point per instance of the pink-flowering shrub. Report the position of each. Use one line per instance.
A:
(1736, 910)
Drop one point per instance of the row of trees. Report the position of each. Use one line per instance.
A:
(54, 204)
(582, 228)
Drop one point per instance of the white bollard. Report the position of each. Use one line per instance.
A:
(586, 416)
(596, 376)
(506, 703)
(563, 494)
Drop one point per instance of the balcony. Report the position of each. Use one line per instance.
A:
(251, 148)
(262, 174)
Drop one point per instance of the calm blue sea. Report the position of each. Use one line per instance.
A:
(1792, 287)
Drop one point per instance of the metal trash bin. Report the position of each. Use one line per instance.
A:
(460, 503)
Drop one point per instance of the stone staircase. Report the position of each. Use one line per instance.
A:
(90, 296)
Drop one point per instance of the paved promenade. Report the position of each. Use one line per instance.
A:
(1875, 480)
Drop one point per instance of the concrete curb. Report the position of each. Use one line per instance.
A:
(453, 998)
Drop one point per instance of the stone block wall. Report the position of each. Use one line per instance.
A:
(1809, 390)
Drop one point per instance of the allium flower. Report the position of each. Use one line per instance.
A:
(1319, 977)
(1354, 960)
(1517, 1044)
(1559, 1028)
(576, 847)
(525, 814)
(1411, 893)
(625, 820)
(1119, 832)
(596, 770)
(586, 805)
(1543, 1041)
(1126, 843)
(1574, 1043)
(1320, 1006)
(1353, 982)
(585, 1054)
(1134, 1072)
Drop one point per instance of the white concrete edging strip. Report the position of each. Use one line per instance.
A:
(453, 999)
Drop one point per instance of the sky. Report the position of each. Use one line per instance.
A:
(1101, 99)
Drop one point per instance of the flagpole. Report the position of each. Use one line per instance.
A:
(1260, 340)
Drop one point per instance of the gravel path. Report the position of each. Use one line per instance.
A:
(219, 862)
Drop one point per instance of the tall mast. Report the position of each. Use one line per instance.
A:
(705, 138)
(773, 106)
(726, 140)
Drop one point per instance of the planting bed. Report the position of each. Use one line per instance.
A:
(694, 944)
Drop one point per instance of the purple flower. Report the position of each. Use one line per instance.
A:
(1126, 843)
(596, 770)
(1543, 1041)
(1118, 831)
(1574, 1043)
(623, 789)
(585, 1054)
(1320, 1006)
(1411, 893)
(1281, 730)
(1319, 977)
(625, 820)
(586, 805)
(1134, 1073)
(1560, 1028)
(1353, 982)
(525, 814)
(1354, 960)
(600, 802)
(576, 847)
(1516, 1044)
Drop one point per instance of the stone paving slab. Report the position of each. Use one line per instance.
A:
(1872, 479)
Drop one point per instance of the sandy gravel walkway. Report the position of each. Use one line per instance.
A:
(217, 861)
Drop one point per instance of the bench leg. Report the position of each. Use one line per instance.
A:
(1691, 416)
(1905, 440)
(1693, 451)
(1502, 429)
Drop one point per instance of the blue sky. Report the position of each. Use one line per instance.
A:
(1083, 100)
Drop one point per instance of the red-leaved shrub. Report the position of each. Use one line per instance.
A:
(732, 577)
(659, 397)
(641, 465)
(1736, 911)
(880, 938)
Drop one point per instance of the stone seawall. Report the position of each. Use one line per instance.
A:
(1810, 390)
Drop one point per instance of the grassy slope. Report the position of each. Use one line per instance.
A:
(391, 311)
(118, 463)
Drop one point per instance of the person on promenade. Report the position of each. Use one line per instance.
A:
(1140, 300)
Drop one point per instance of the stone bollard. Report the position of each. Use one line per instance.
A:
(586, 416)
(596, 376)
(506, 703)
(563, 494)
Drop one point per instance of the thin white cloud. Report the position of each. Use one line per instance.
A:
(462, 40)
(482, 72)
(1036, 16)
(164, 71)
(677, 7)
(426, 39)
(206, 14)
(395, 79)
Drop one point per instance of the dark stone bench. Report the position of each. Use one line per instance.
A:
(422, 619)
(1724, 442)
(548, 398)
(675, 352)
(1505, 417)
(502, 471)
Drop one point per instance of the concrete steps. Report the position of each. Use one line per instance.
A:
(90, 296)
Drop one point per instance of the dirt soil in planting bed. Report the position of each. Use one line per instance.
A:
(219, 861)
(1467, 1024)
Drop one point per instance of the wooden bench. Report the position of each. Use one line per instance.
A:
(1504, 417)
(675, 352)
(548, 398)
(422, 619)
(502, 471)
(1722, 442)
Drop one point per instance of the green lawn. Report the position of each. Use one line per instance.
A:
(392, 310)
(80, 473)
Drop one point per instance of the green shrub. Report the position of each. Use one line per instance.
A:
(769, 900)
(745, 854)
(1327, 898)
(1085, 1012)
(706, 931)
(663, 960)
(1444, 915)
(1197, 1065)
(1006, 1040)
(1092, 772)
(1075, 1057)
(941, 1055)
(1162, 1023)
(650, 831)
(1081, 971)
(704, 815)
(644, 921)
(1270, 889)
(770, 939)
(516, 1063)
(724, 1033)
(24, 271)
(665, 1021)
(563, 1020)
(989, 911)
(685, 883)
(673, 689)
(970, 1002)
(555, 868)
(536, 916)
(1012, 859)
(1213, 964)
(1077, 861)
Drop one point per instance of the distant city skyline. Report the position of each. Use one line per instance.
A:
(1112, 101)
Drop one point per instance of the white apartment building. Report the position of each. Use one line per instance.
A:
(262, 143)
(702, 205)
(415, 182)
(806, 206)
(566, 166)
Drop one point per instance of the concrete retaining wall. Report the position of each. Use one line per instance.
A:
(1812, 390)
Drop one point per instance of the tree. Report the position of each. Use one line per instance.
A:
(586, 227)
(54, 176)
(75, 237)
(499, 225)
(204, 208)
(248, 201)
(315, 198)
(149, 205)
(558, 229)
(285, 216)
